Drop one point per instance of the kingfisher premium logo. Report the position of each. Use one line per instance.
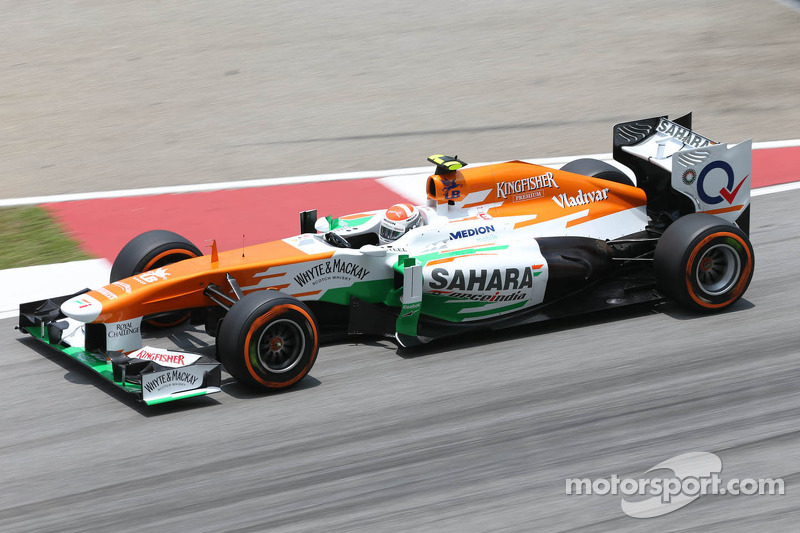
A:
(526, 188)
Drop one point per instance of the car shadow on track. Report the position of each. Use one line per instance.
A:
(486, 338)
(233, 388)
(677, 312)
(78, 374)
(183, 338)
(193, 339)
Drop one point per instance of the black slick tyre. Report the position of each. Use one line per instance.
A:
(594, 168)
(268, 340)
(703, 262)
(149, 251)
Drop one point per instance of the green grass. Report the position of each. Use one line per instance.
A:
(29, 236)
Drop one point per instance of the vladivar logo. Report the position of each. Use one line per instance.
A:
(694, 474)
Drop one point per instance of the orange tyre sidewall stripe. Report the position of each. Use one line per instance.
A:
(149, 266)
(263, 319)
(740, 286)
(167, 253)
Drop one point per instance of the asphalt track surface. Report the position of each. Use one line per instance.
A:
(102, 95)
(477, 435)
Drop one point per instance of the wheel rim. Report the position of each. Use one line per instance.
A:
(280, 346)
(718, 269)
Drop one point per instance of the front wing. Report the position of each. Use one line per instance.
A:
(150, 379)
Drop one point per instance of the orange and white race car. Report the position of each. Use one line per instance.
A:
(494, 246)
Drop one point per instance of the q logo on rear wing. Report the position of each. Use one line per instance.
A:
(716, 178)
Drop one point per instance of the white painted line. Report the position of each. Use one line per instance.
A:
(765, 145)
(203, 187)
(411, 187)
(248, 184)
(29, 284)
(781, 187)
(271, 182)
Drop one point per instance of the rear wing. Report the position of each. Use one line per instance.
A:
(684, 172)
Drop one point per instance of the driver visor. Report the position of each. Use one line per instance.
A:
(390, 233)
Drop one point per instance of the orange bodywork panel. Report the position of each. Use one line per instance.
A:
(518, 188)
(181, 285)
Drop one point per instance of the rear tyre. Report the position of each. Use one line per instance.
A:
(594, 168)
(268, 340)
(149, 251)
(703, 262)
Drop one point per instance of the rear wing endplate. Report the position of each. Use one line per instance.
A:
(684, 172)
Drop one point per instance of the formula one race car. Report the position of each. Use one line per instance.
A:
(494, 246)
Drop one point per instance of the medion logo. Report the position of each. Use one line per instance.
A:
(482, 280)
(471, 232)
(504, 188)
(582, 198)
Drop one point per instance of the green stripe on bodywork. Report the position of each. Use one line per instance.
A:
(105, 369)
(408, 320)
(353, 222)
(375, 291)
(456, 310)
(434, 305)
(100, 366)
(334, 223)
(424, 259)
(497, 310)
(177, 396)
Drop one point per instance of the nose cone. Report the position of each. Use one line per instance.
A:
(84, 308)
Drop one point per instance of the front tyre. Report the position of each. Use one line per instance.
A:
(268, 340)
(704, 262)
(149, 251)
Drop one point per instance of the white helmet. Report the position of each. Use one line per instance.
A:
(398, 219)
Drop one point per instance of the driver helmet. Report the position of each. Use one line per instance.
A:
(399, 219)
